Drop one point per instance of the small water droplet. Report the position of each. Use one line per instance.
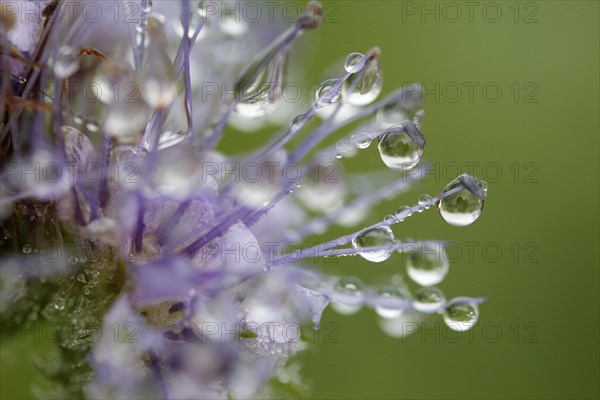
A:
(389, 219)
(362, 140)
(424, 198)
(66, 62)
(328, 92)
(354, 62)
(77, 119)
(389, 306)
(348, 295)
(402, 209)
(461, 316)
(344, 145)
(398, 150)
(81, 278)
(26, 248)
(374, 237)
(363, 87)
(429, 299)
(428, 265)
(464, 207)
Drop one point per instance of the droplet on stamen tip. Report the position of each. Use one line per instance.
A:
(348, 295)
(364, 86)
(374, 237)
(354, 62)
(461, 315)
(259, 91)
(399, 149)
(66, 62)
(464, 207)
(428, 265)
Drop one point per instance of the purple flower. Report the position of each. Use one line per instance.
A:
(186, 259)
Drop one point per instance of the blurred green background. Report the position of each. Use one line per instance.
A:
(537, 335)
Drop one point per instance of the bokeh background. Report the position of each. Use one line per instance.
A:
(535, 142)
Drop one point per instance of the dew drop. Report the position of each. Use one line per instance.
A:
(354, 62)
(158, 84)
(428, 265)
(398, 148)
(390, 303)
(362, 140)
(464, 207)
(461, 315)
(389, 219)
(424, 198)
(402, 209)
(260, 89)
(77, 119)
(429, 299)
(363, 87)
(348, 295)
(66, 63)
(27, 248)
(374, 237)
(81, 278)
(344, 146)
(328, 92)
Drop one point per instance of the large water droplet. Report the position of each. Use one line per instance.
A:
(157, 84)
(374, 237)
(428, 265)
(354, 62)
(464, 207)
(429, 299)
(66, 63)
(348, 295)
(364, 87)
(461, 315)
(401, 147)
(260, 88)
(391, 302)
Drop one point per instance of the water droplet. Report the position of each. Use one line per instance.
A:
(77, 119)
(429, 299)
(461, 315)
(425, 199)
(329, 92)
(464, 207)
(26, 248)
(159, 87)
(354, 62)
(428, 265)
(398, 150)
(260, 88)
(380, 236)
(363, 87)
(389, 219)
(390, 303)
(66, 63)
(348, 295)
(402, 209)
(362, 140)
(81, 278)
(344, 145)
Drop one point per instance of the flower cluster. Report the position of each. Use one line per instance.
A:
(119, 216)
